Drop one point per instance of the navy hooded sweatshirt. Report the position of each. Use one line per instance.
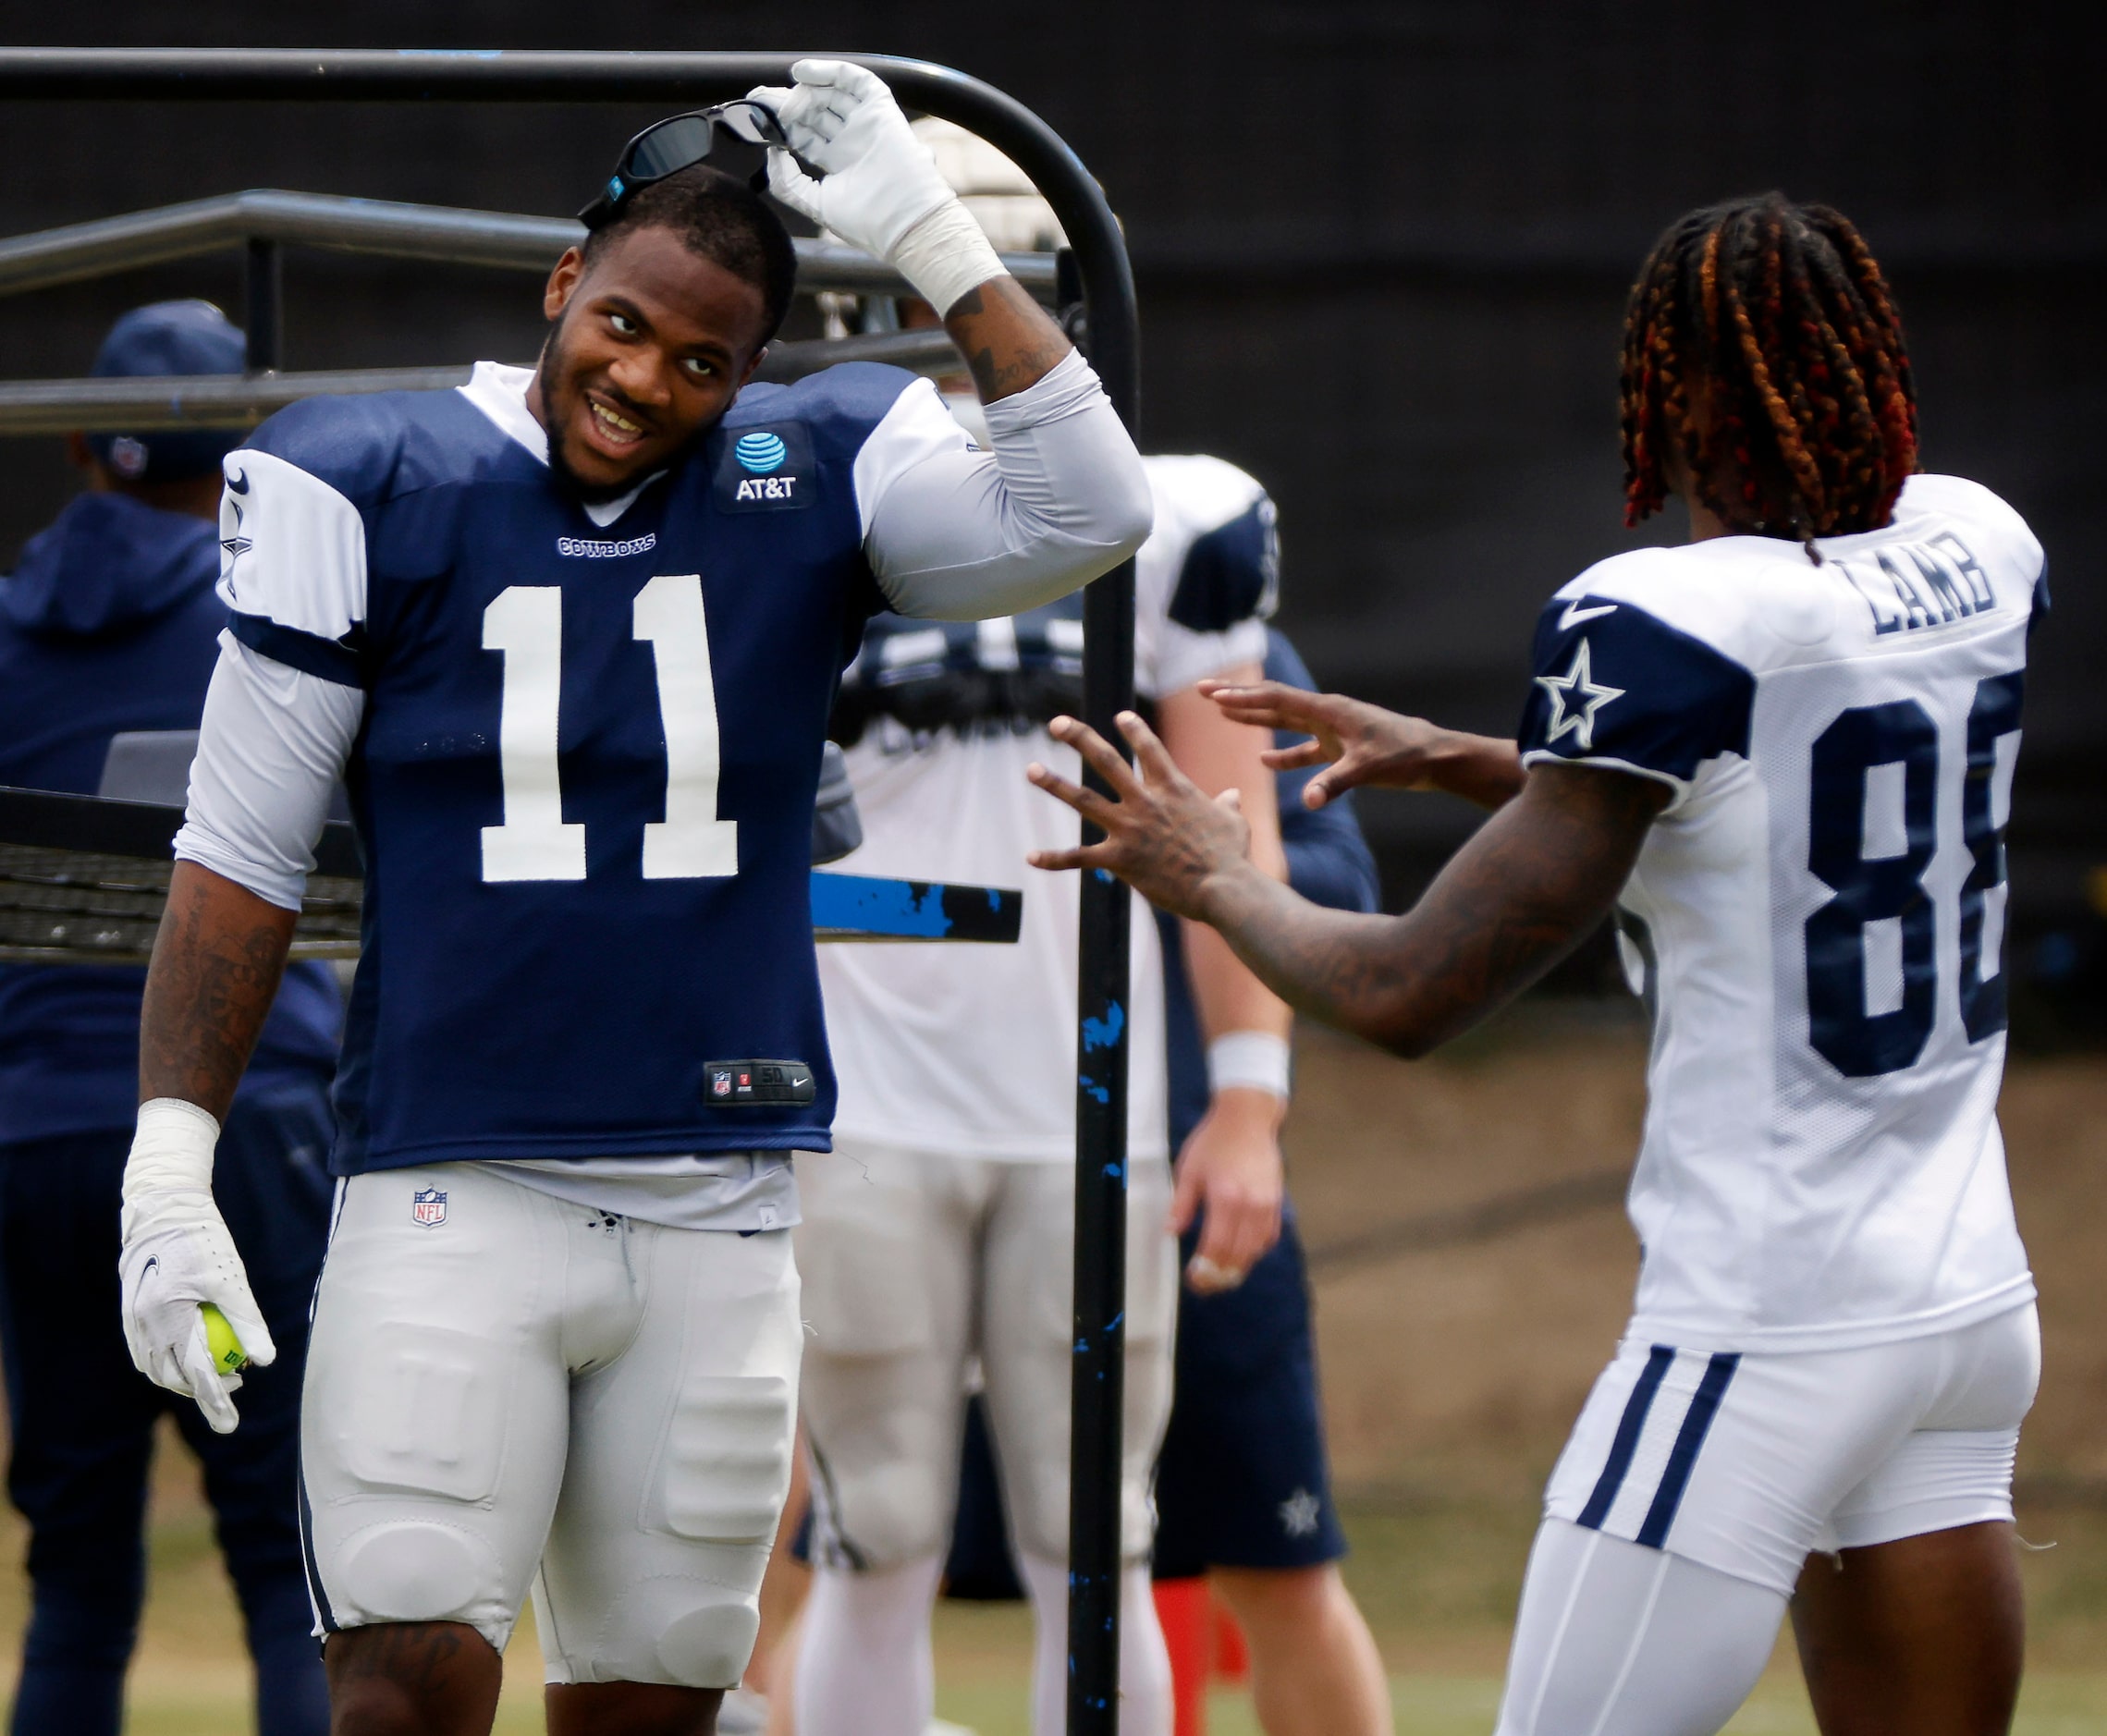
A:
(110, 623)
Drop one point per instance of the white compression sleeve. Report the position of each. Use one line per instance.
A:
(864, 1664)
(1146, 1706)
(271, 747)
(1614, 1639)
(960, 535)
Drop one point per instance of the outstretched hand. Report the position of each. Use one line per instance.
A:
(1163, 836)
(1360, 744)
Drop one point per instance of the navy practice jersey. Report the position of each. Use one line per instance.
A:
(584, 777)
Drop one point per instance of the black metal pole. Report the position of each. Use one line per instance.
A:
(360, 75)
(263, 307)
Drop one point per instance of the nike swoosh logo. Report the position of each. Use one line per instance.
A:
(1575, 614)
(238, 481)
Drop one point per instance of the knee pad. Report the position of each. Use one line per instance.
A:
(417, 1570)
(880, 1515)
(684, 1632)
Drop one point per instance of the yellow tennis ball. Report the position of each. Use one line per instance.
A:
(227, 1355)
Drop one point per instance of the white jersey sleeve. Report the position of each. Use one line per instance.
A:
(955, 533)
(293, 566)
(1208, 579)
(287, 698)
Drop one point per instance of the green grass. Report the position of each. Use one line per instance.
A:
(1437, 1578)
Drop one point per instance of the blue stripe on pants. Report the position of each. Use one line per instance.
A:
(1683, 1458)
(1626, 1443)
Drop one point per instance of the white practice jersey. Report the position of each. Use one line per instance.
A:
(971, 1050)
(1819, 914)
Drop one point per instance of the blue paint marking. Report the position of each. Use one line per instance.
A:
(994, 898)
(1104, 874)
(1116, 1170)
(1101, 1093)
(1113, 1323)
(1102, 1034)
(907, 907)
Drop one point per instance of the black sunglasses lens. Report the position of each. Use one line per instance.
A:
(755, 123)
(668, 147)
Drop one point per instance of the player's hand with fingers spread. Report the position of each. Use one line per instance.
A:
(879, 188)
(1163, 836)
(1230, 1168)
(1363, 744)
(178, 1255)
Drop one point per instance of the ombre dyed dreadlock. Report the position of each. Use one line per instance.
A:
(1762, 348)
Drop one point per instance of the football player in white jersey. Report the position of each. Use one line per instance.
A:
(1784, 754)
(941, 1231)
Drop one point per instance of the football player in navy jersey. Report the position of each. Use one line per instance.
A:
(1783, 755)
(569, 635)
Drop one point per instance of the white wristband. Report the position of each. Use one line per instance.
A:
(944, 255)
(1252, 1060)
(171, 1153)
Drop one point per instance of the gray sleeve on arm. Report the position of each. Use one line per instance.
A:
(954, 534)
(271, 749)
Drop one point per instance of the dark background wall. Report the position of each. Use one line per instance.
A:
(1382, 246)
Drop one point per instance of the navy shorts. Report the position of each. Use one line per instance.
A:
(1243, 1480)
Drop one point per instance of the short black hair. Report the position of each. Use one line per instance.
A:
(721, 218)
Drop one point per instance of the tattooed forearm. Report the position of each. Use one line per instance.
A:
(216, 964)
(1007, 338)
(1520, 895)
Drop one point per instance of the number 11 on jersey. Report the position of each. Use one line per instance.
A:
(525, 622)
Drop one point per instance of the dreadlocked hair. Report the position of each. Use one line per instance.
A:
(1762, 348)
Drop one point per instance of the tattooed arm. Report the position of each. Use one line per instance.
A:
(1526, 889)
(216, 964)
(1007, 340)
(1359, 744)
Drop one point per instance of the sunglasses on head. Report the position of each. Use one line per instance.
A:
(680, 141)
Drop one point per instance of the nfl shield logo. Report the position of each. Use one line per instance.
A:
(428, 1207)
(721, 1083)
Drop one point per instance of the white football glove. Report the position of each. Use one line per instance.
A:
(880, 190)
(177, 1256)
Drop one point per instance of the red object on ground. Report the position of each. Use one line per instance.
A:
(1185, 1608)
(1231, 1655)
(1205, 1645)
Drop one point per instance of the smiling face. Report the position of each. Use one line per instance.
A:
(650, 344)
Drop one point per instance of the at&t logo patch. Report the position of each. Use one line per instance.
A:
(766, 470)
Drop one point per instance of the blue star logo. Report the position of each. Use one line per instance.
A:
(1575, 697)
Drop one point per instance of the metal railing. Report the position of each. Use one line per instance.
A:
(265, 220)
(1105, 278)
(443, 234)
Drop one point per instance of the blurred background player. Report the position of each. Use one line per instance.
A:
(941, 1231)
(110, 625)
(1243, 1482)
(556, 1339)
(1783, 755)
